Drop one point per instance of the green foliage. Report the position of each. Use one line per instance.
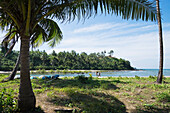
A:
(7, 63)
(81, 78)
(41, 71)
(152, 77)
(40, 60)
(137, 77)
(52, 71)
(163, 97)
(7, 101)
(159, 86)
(90, 76)
(149, 106)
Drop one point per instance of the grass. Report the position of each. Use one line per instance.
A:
(98, 95)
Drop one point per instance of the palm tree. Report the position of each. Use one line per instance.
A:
(10, 40)
(35, 43)
(111, 53)
(14, 71)
(160, 74)
(33, 18)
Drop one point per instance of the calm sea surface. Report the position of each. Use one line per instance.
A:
(141, 73)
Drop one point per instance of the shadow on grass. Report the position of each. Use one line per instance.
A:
(62, 83)
(154, 110)
(84, 98)
(36, 110)
(98, 103)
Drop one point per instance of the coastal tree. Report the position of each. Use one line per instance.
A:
(11, 38)
(28, 17)
(14, 71)
(80, 61)
(18, 25)
(160, 73)
(111, 53)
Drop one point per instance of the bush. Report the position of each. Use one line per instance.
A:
(52, 71)
(152, 77)
(90, 77)
(81, 78)
(6, 68)
(137, 77)
(7, 102)
(41, 71)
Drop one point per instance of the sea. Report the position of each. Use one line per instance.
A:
(126, 73)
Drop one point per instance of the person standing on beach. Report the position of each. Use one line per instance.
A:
(98, 73)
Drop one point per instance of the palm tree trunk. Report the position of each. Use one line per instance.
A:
(14, 71)
(160, 74)
(26, 98)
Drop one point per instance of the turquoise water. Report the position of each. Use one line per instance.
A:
(141, 73)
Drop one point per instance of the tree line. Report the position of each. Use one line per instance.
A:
(67, 60)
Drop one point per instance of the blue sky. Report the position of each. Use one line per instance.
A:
(136, 41)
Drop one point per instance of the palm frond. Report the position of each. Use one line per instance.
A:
(54, 34)
(13, 14)
(46, 31)
(68, 10)
(9, 41)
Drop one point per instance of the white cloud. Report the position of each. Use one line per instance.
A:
(96, 27)
(2, 34)
(137, 43)
(105, 26)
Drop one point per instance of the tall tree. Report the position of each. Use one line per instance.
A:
(111, 53)
(9, 41)
(14, 71)
(32, 19)
(160, 73)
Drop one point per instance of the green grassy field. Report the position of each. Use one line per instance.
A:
(93, 95)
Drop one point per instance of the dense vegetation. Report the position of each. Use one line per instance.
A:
(66, 60)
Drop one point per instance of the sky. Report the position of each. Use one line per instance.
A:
(136, 41)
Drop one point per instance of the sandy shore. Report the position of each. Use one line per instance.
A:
(18, 72)
(7, 72)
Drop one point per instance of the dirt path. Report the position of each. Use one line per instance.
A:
(47, 107)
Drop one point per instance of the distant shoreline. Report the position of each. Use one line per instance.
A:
(7, 72)
(85, 72)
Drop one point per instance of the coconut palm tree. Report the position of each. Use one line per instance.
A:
(36, 42)
(10, 40)
(160, 74)
(14, 71)
(28, 17)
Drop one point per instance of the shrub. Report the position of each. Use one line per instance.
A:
(152, 77)
(7, 101)
(6, 68)
(137, 77)
(52, 71)
(65, 71)
(81, 78)
(90, 76)
(41, 71)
